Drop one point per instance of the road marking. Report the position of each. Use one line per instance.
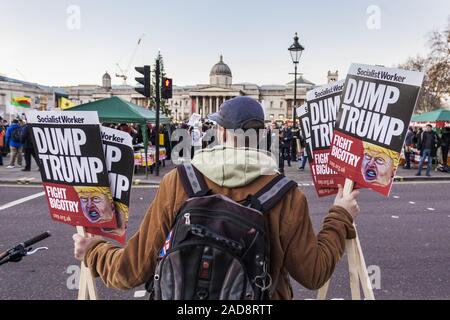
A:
(396, 197)
(395, 217)
(302, 184)
(140, 294)
(19, 201)
(423, 182)
(145, 187)
(9, 185)
(412, 202)
(15, 185)
(430, 209)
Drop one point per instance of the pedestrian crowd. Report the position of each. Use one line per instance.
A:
(427, 146)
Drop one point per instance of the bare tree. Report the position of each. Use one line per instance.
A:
(436, 66)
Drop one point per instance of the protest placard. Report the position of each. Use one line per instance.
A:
(376, 108)
(357, 267)
(73, 168)
(303, 114)
(195, 117)
(119, 154)
(323, 105)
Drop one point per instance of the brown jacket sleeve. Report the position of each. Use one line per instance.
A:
(125, 268)
(311, 260)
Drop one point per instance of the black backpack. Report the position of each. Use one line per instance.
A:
(24, 132)
(16, 135)
(218, 249)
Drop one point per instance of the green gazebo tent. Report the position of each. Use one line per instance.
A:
(440, 117)
(117, 110)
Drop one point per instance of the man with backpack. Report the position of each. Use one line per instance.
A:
(12, 138)
(226, 226)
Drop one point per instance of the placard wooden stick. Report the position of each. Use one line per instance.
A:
(87, 289)
(356, 264)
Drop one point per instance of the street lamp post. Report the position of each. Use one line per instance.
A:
(176, 111)
(296, 50)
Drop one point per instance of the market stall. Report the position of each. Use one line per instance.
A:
(139, 157)
(439, 119)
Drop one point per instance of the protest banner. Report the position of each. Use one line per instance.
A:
(119, 155)
(376, 109)
(356, 263)
(323, 105)
(195, 117)
(303, 114)
(73, 168)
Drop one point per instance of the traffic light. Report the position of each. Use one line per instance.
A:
(166, 90)
(145, 90)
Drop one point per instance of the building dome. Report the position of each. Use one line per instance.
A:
(220, 69)
(220, 74)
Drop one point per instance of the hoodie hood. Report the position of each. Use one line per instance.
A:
(234, 167)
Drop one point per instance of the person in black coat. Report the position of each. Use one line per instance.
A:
(445, 143)
(407, 147)
(428, 143)
(286, 146)
(28, 147)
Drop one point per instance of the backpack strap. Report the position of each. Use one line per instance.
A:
(194, 183)
(271, 193)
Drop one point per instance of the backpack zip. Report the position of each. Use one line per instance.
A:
(224, 214)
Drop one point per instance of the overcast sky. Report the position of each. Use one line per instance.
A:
(44, 41)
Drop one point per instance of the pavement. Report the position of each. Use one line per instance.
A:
(33, 177)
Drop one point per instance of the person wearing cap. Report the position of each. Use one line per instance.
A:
(236, 172)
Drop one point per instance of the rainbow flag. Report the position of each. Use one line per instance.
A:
(23, 102)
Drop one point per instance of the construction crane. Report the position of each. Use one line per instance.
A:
(124, 72)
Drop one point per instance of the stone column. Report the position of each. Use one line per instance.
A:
(217, 104)
(203, 106)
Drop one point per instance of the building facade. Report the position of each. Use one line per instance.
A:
(88, 93)
(42, 97)
(277, 100)
(47, 98)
